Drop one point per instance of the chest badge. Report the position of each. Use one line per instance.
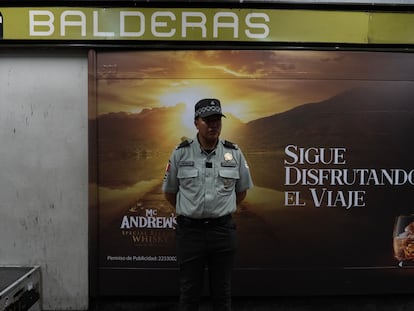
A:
(228, 156)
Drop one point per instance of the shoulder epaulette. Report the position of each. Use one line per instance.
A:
(185, 143)
(229, 144)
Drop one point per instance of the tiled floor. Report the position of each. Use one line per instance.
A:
(337, 303)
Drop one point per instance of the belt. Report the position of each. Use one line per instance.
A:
(184, 220)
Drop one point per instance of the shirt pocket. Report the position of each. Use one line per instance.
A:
(227, 180)
(188, 177)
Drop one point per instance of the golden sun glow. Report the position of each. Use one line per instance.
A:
(187, 96)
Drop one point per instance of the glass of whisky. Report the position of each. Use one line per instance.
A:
(403, 240)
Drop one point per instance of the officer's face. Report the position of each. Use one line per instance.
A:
(209, 128)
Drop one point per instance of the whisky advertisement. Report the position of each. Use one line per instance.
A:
(328, 139)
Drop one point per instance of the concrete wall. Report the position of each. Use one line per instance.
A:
(44, 170)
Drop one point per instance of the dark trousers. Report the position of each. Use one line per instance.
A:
(201, 244)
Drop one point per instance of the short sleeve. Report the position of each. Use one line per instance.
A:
(170, 182)
(245, 182)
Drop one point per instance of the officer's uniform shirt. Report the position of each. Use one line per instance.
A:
(206, 183)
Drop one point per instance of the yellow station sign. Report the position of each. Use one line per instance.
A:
(206, 24)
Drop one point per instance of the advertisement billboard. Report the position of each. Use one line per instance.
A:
(327, 135)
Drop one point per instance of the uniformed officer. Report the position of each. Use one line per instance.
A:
(206, 178)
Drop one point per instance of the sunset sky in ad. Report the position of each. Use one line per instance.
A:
(250, 84)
